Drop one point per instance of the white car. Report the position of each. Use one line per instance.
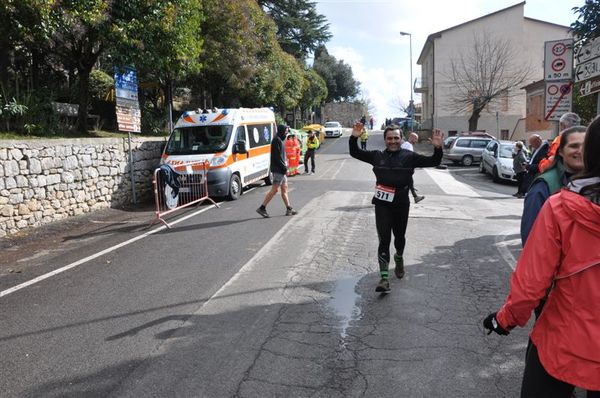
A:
(333, 129)
(497, 160)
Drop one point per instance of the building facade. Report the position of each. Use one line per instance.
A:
(526, 37)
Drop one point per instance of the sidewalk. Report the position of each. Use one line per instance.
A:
(16, 249)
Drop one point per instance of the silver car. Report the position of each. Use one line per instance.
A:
(497, 160)
(466, 149)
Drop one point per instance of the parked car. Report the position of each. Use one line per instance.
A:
(318, 128)
(448, 141)
(467, 149)
(333, 129)
(497, 160)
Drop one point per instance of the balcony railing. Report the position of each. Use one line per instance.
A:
(420, 85)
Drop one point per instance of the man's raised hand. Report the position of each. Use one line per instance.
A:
(437, 138)
(357, 129)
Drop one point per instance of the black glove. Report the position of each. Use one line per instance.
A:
(491, 324)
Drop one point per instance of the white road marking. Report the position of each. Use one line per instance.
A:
(338, 169)
(502, 246)
(449, 184)
(96, 255)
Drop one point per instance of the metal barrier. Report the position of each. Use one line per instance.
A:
(184, 185)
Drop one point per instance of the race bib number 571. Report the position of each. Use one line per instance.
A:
(385, 193)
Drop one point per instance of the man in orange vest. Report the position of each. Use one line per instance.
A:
(567, 120)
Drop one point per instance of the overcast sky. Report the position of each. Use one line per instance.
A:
(366, 36)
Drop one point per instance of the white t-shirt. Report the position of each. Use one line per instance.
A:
(407, 145)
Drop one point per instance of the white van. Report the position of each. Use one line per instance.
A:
(236, 143)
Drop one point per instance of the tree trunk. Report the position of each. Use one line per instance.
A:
(83, 94)
(169, 97)
(4, 54)
(473, 121)
(36, 57)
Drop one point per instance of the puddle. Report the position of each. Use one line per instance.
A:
(343, 302)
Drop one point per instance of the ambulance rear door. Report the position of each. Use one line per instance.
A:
(259, 151)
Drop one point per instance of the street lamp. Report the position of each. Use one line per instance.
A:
(411, 105)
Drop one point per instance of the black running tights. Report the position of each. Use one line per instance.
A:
(390, 219)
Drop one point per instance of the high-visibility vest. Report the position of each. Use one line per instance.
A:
(312, 144)
(364, 136)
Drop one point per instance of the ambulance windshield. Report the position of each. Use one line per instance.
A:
(198, 140)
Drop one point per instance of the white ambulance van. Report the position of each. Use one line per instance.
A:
(235, 142)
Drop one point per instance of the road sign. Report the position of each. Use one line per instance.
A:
(558, 60)
(590, 87)
(587, 70)
(128, 108)
(129, 119)
(589, 51)
(558, 99)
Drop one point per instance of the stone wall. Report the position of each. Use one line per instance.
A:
(43, 181)
(344, 112)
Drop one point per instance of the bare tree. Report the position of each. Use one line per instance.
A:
(488, 71)
(398, 104)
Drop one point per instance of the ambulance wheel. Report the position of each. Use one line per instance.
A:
(235, 187)
(268, 179)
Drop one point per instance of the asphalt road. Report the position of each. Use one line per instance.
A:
(228, 304)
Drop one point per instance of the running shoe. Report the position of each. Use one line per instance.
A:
(383, 286)
(399, 270)
(263, 212)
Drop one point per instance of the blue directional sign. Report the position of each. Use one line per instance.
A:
(126, 85)
(127, 79)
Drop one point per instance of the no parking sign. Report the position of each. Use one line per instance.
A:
(558, 60)
(558, 99)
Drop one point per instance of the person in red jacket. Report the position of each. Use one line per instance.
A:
(562, 253)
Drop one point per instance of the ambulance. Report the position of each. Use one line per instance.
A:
(235, 142)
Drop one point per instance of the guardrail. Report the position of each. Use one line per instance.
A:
(178, 187)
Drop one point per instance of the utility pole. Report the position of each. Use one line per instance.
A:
(411, 105)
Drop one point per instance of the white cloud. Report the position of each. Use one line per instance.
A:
(380, 84)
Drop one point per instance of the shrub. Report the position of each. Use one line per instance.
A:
(100, 85)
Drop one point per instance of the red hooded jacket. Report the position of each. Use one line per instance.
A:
(563, 248)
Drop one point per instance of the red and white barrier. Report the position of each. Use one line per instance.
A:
(187, 186)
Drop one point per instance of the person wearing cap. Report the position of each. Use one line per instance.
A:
(311, 146)
(279, 174)
(393, 170)
(567, 120)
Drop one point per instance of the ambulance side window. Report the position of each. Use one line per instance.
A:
(241, 134)
(259, 134)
